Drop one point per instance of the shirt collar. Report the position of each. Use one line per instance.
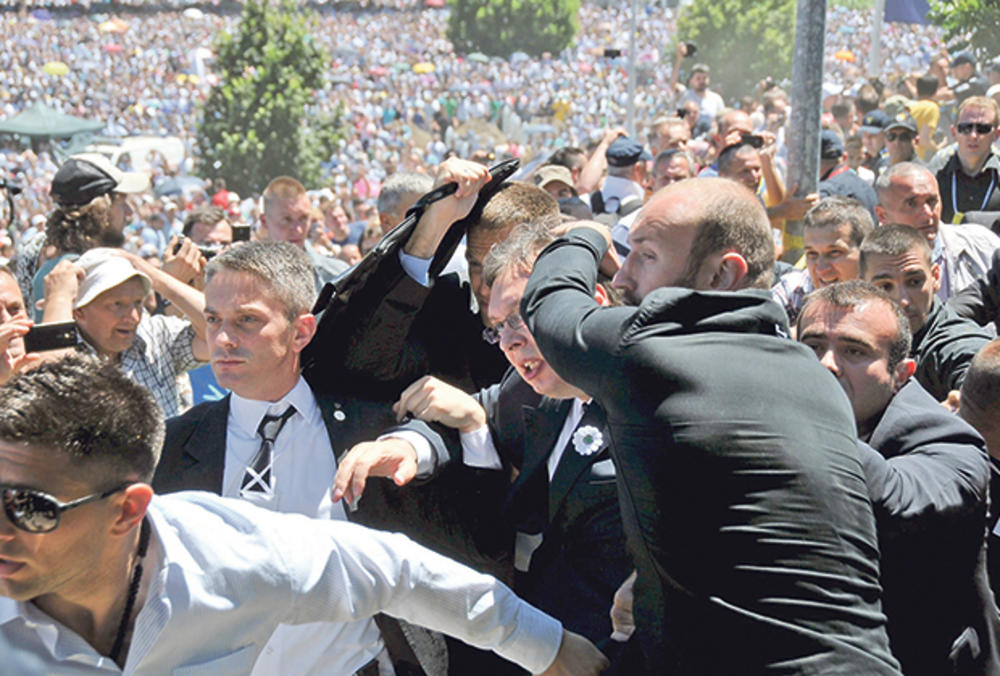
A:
(247, 413)
(616, 186)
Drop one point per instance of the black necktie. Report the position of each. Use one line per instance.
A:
(257, 478)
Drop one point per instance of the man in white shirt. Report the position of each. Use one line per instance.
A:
(99, 576)
(908, 194)
(258, 297)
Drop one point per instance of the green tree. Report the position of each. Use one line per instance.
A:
(502, 27)
(254, 124)
(968, 24)
(743, 41)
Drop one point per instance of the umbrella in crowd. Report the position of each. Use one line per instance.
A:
(114, 25)
(57, 68)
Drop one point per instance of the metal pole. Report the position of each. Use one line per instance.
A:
(630, 107)
(807, 103)
(875, 59)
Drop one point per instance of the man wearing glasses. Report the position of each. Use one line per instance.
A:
(900, 136)
(968, 178)
(99, 575)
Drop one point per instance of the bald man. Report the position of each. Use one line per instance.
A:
(737, 467)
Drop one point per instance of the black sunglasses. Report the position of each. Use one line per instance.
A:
(903, 136)
(966, 128)
(37, 512)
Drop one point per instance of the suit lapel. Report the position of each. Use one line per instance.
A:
(339, 425)
(528, 496)
(207, 444)
(542, 425)
(572, 464)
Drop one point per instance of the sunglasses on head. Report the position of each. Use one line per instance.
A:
(966, 128)
(903, 136)
(37, 512)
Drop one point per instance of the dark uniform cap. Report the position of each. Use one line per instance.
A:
(903, 120)
(874, 122)
(624, 152)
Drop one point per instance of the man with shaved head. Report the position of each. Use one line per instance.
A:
(742, 495)
(908, 194)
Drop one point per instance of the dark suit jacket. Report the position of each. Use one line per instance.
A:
(742, 493)
(943, 349)
(395, 330)
(194, 448)
(980, 301)
(194, 452)
(582, 559)
(929, 476)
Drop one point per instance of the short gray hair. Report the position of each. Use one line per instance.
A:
(400, 185)
(519, 250)
(284, 268)
(884, 182)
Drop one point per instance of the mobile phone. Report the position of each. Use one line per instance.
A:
(53, 336)
(690, 49)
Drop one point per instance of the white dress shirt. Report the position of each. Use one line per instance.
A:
(479, 451)
(302, 473)
(221, 574)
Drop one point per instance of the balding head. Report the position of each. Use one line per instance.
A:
(908, 194)
(705, 233)
(980, 400)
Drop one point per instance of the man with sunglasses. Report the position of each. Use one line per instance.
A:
(900, 136)
(968, 179)
(99, 575)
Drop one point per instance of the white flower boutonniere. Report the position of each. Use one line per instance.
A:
(587, 440)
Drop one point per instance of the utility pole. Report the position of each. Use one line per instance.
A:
(630, 106)
(875, 58)
(807, 103)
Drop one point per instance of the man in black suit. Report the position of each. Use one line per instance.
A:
(897, 260)
(258, 297)
(570, 551)
(404, 323)
(928, 476)
(742, 495)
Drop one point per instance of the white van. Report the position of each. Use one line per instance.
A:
(137, 149)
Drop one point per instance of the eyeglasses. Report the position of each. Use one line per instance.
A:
(904, 136)
(513, 322)
(37, 512)
(965, 128)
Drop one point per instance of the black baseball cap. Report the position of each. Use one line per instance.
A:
(83, 177)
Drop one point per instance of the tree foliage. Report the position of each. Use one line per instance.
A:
(972, 24)
(502, 27)
(742, 41)
(254, 124)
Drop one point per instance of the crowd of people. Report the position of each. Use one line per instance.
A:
(146, 72)
(587, 420)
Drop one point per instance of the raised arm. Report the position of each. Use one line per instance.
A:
(577, 337)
